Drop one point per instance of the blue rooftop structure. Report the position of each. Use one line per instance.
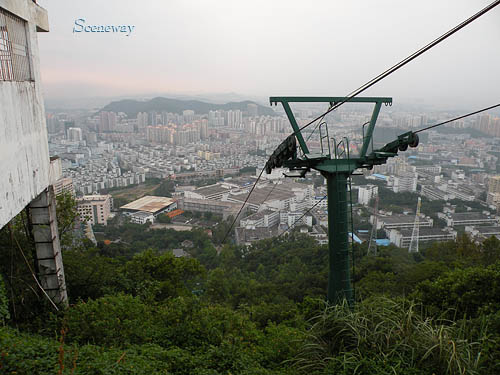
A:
(380, 176)
(383, 242)
(355, 238)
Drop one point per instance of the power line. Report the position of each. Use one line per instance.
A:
(458, 118)
(30, 269)
(403, 62)
(374, 81)
(319, 123)
(243, 205)
(270, 192)
(304, 214)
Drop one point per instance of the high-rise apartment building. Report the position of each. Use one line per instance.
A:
(142, 121)
(75, 134)
(367, 193)
(493, 196)
(107, 122)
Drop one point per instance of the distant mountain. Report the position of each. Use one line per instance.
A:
(132, 107)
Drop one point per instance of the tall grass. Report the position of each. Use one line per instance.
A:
(395, 333)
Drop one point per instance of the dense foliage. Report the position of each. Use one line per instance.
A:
(225, 309)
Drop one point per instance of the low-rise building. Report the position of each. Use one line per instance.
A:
(247, 236)
(150, 204)
(225, 209)
(402, 237)
(469, 219)
(95, 209)
(142, 217)
(401, 222)
(432, 193)
(481, 233)
(294, 218)
(262, 219)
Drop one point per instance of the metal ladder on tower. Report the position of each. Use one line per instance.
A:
(413, 248)
(372, 243)
(341, 151)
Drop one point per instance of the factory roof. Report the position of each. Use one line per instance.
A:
(264, 194)
(211, 190)
(488, 230)
(468, 216)
(423, 231)
(148, 203)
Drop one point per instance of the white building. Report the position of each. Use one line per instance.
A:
(367, 193)
(262, 219)
(402, 237)
(75, 134)
(142, 217)
(405, 182)
(290, 218)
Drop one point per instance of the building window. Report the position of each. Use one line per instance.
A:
(14, 52)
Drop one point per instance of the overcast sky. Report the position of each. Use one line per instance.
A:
(272, 47)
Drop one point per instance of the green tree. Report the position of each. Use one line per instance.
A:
(464, 292)
(164, 219)
(157, 277)
(4, 303)
(166, 188)
(67, 214)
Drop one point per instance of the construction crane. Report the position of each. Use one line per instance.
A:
(336, 165)
(416, 230)
(372, 244)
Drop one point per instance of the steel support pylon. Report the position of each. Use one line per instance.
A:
(336, 167)
(339, 275)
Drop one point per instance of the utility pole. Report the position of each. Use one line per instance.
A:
(336, 165)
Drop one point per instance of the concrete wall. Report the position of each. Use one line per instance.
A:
(24, 154)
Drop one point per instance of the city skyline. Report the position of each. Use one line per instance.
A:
(185, 48)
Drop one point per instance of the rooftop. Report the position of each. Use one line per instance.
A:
(424, 231)
(488, 230)
(148, 203)
(264, 194)
(259, 215)
(468, 216)
(211, 189)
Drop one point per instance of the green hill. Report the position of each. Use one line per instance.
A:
(132, 107)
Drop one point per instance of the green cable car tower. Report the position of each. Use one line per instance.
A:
(336, 165)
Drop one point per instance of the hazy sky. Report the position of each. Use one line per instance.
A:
(271, 47)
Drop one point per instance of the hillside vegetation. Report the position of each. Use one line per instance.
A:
(132, 107)
(136, 309)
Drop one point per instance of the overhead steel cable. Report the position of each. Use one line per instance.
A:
(458, 118)
(379, 78)
(403, 62)
(243, 205)
(269, 194)
(319, 123)
(304, 214)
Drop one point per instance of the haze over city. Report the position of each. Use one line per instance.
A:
(261, 48)
(206, 187)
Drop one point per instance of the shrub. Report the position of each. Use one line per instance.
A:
(392, 333)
